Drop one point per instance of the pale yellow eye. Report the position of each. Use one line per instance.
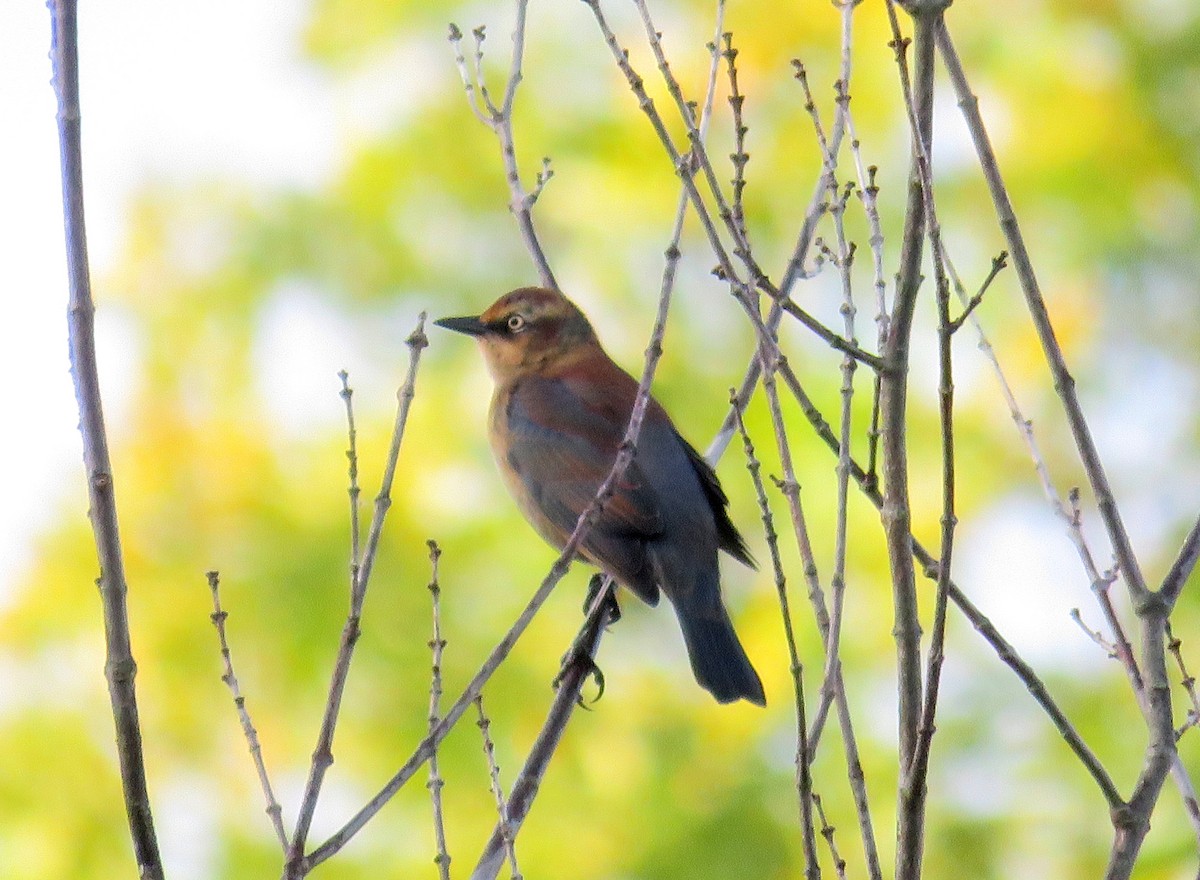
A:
(515, 323)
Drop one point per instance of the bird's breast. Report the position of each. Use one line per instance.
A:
(503, 439)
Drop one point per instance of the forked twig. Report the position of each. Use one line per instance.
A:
(499, 120)
(323, 753)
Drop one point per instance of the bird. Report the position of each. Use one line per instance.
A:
(557, 418)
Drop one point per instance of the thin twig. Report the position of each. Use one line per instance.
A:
(219, 616)
(969, 306)
(119, 667)
(827, 831)
(741, 247)
(499, 120)
(739, 157)
(489, 751)
(1187, 680)
(803, 768)
(347, 395)
(436, 646)
(1095, 635)
(1183, 566)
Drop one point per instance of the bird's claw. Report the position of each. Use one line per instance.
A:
(578, 657)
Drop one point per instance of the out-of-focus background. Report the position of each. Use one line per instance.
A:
(275, 191)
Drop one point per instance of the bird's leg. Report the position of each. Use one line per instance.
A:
(610, 599)
(601, 609)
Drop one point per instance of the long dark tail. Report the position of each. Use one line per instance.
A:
(718, 659)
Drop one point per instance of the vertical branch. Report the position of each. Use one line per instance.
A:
(933, 669)
(893, 392)
(436, 646)
(739, 157)
(119, 667)
(803, 758)
(347, 395)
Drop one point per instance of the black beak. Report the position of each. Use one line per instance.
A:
(471, 325)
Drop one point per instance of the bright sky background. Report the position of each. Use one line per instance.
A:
(231, 99)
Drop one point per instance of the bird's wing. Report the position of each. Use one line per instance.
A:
(728, 537)
(562, 449)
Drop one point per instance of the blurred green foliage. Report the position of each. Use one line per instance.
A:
(1093, 110)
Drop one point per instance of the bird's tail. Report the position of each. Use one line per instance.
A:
(718, 659)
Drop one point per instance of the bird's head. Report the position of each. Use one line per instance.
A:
(526, 330)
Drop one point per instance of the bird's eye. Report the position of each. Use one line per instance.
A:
(515, 323)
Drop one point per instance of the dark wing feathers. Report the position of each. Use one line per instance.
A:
(563, 461)
(728, 537)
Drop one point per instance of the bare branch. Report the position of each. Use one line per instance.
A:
(893, 402)
(1064, 383)
(347, 395)
(219, 616)
(739, 157)
(436, 646)
(803, 762)
(1152, 608)
(970, 305)
(827, 831)
(489, 751)
(1184, 565)
(119, 667)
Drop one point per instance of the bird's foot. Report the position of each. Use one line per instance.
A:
(578, 657)
(578, 664)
